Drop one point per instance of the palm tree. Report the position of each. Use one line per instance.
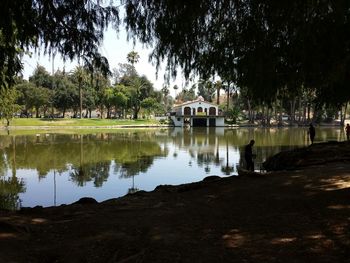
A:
(175, 88)
(165, 91)
(80, 75)
(218, 86)
(133, 57)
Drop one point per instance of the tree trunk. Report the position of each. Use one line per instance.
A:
(80, 99)
(268, 116)
(36, 112)
(218, 95)
(343, 115)
(304, 113)
(276, 110)
(136, 110)
(108, 112)
(263, 122)
(228, 97)
(299, 111)
(292, 110)
(249, 111)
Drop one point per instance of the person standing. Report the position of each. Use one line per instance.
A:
(248, 155)
(347, 130)
(312, 133)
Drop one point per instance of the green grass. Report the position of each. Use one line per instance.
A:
(76, 122)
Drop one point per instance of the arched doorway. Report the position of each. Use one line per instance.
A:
(212, 111)
(187, 111)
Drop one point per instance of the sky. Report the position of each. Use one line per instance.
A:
(115, 48)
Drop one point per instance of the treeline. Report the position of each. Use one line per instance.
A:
(80, 92)
(238, 105)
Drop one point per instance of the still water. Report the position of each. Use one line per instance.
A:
(50, 169)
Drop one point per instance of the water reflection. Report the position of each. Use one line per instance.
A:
(9, 191)
(97, 172)
(77, 165)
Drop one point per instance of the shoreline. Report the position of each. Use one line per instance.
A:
(69, 127)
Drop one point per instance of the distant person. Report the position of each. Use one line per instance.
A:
(248, 155)
(312, 133)
(347, 130)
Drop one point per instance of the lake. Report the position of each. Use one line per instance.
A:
(49, 168)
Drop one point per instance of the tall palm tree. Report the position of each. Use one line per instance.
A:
(175, 88)
(218, 86)
(79, 73)
(133, 57)
(165, 91)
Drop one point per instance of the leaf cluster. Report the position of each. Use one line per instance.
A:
(71, 28)
(263, 45)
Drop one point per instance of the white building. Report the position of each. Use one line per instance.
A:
(197, 113)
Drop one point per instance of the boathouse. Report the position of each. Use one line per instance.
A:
(197, 113)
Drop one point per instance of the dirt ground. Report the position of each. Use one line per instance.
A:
(288, 216)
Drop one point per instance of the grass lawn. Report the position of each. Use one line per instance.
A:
(76, 122)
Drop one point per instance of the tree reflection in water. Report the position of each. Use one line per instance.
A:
(125, 154)
(9, 190)
(98, 173)
(131, 169)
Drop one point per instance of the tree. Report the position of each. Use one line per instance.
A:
(41, 78)
(150, 104)
(9, 192)
(123, 73)
(70, 28)
(79, 76)
(137, 85)
(187, 94)
(206, 89)
(8, 106)
(109, 100)
(261, 45)
(120, 99)
(175, 87)
(218, 87)
(133, 57)
(25, 93)
(65, 93)
(31, 96)
(165, 91)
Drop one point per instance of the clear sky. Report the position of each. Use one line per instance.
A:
(115, 48)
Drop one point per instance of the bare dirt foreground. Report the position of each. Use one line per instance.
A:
(287, 216)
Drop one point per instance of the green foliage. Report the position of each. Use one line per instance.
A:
(71, 28)
(61, 123)
(232, 114)
(65, 95)
(8, 106)
(89, 154)
(264, 46)
(187, 94)
(9, 190)
(152, 105)
(41, 78)
(32, 96)
(133, 57)
(206, 89)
